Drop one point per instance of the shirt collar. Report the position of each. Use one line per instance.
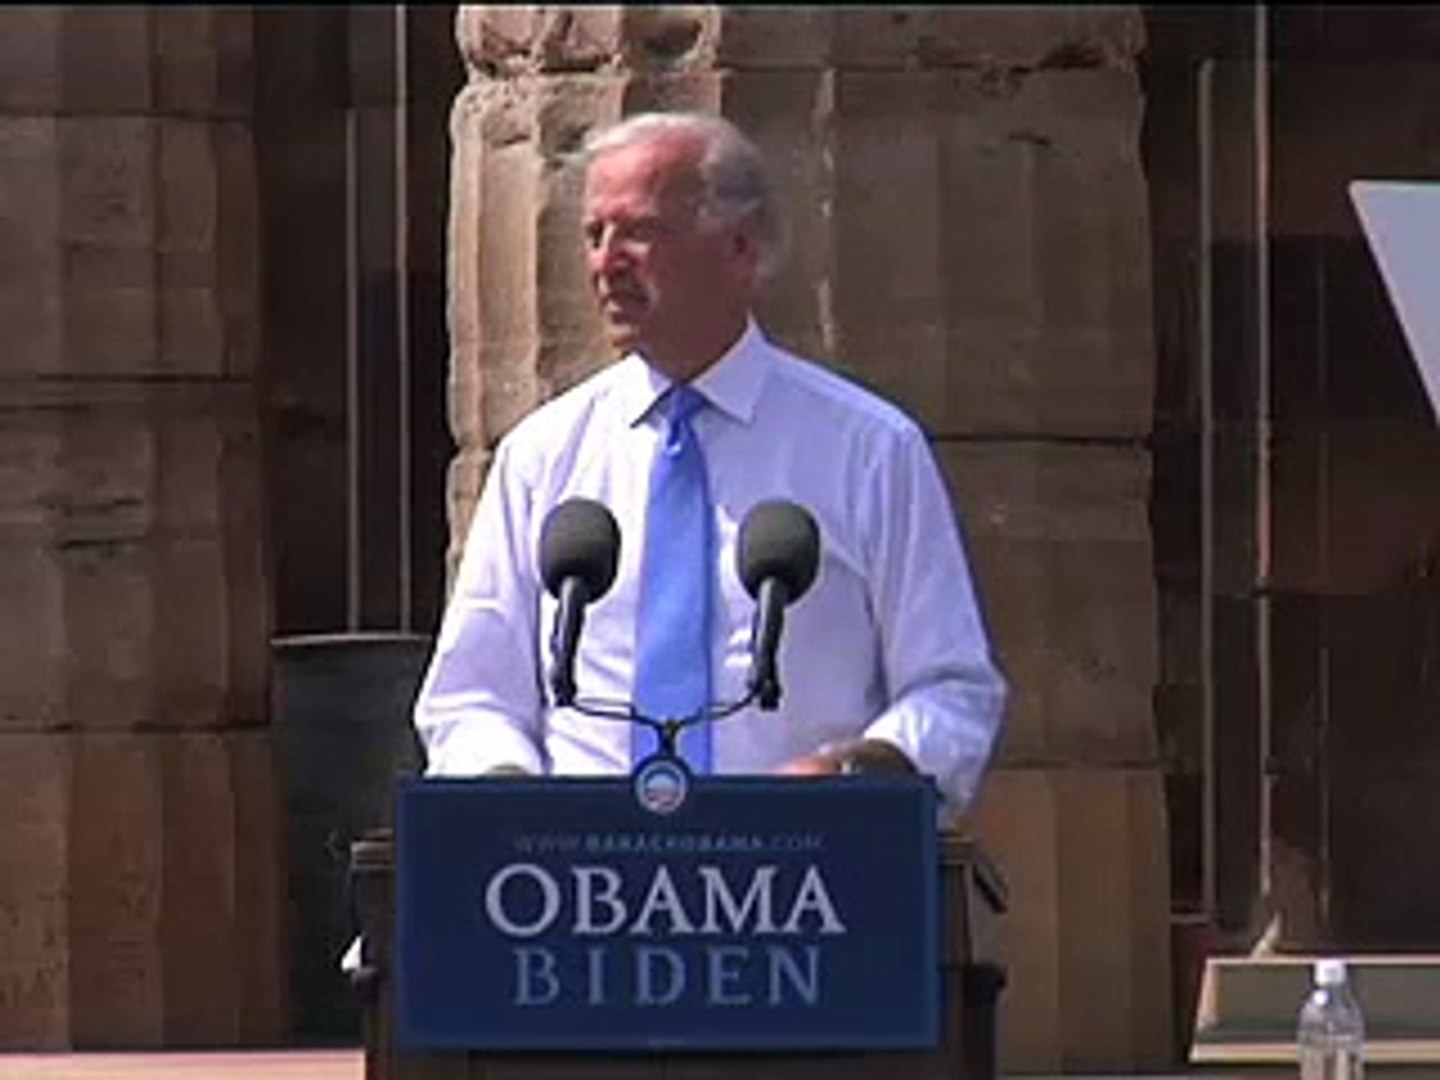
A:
(732, 384)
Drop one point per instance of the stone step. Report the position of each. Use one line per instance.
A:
(1248, 1007)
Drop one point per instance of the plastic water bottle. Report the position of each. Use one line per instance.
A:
(1330, 1036)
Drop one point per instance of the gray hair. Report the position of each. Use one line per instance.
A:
(735, 187)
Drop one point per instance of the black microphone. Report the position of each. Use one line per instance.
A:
(777, 556)
(579, 548)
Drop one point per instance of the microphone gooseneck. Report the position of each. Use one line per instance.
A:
(777, 558)
(579, 551)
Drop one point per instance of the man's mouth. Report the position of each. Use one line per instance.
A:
(622, 304)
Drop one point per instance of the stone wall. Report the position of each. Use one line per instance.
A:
(971, 238)
(139, 888)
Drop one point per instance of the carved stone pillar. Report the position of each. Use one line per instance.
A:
(139, 897)
(971, 238)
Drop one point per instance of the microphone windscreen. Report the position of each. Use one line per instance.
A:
(778, 539)
(579, 540)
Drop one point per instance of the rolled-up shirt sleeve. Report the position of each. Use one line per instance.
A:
(480, 704)
(947, 695)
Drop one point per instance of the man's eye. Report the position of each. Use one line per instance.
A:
(639, 231)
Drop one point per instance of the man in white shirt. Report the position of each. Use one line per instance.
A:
(884, 662)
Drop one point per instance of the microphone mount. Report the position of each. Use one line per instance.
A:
(667, 729)
(777, 557)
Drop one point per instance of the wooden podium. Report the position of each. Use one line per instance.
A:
(971, 982)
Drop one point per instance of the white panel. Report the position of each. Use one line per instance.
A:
(1402, 223)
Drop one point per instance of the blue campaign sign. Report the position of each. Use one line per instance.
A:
(754, 914)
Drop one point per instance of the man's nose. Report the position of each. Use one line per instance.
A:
(607, 253)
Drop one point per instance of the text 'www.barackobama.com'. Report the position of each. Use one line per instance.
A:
(642, 843)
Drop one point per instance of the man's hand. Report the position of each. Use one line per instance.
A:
(858, 756)
(514, 772)
(810, 765)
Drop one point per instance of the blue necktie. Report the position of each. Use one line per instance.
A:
(672, 636)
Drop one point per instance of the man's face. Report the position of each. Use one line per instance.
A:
(668, 285)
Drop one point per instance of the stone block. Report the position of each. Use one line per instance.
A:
(233, 30)
(786, 113)
(139, 891)
(1090, 250)
(107, 56)
(208, 281)
(110, 626)
(1086, 941)
(192, 442)
(493, 263)
(186, 62)
(508, 305)
(900, 38)
(579, 37)
(199, 929)
(102, 511)
(888, 215)
(565, 110)
(246, 566)
(517, 191)
(115, 829)
(188, 181)
(463, 266)
(108, 306)
(192, 335)
(33, 657)
(32, 314)
(495, 39)
(188, 662)
(31, 264)
(30, 77)
(34, 872)
(1017, 824)
(117, 59)
(237, 249)
(959, 289)
(667, 37)
(569, 352)
(488, 34)
(107, 229)
(524, 324)
(30, 210)
(464, 482)
(667, 90)
(508, 40)
(128, 535)
(572, 343)
(1114, 858)
(759, 38)
(132, 246)
(106, 467)
(260, 884)
(1060, 547)
(108, 181)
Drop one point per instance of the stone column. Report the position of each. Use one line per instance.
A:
(139, 897)
(971, 238)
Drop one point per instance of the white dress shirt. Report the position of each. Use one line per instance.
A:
(888, 643)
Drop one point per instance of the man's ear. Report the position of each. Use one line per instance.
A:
(746, 248)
